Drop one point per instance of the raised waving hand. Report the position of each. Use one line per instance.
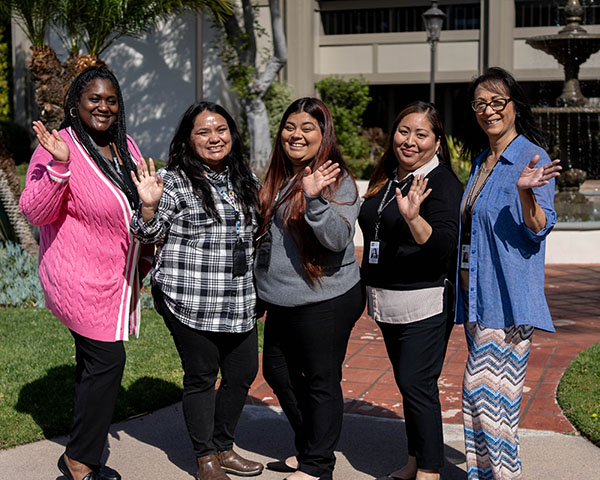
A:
(410, 204)
(51, 142)
(313, 183)
(532, 177)
(149, 186)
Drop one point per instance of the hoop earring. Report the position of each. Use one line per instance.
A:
(73, 114)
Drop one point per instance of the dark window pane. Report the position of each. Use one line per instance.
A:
(397, 19)
(550, 13)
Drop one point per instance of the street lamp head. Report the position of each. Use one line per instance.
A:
(433, 19)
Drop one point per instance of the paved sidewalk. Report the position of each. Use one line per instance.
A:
(157, 447)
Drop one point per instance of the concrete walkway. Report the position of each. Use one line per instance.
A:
(156, 446)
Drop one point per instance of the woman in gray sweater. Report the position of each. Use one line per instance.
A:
(308, 278)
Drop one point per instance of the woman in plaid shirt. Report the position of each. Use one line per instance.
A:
(200, 210)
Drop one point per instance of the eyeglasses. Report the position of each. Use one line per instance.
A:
(497, 105)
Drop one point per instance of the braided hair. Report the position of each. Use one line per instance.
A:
(117, 132)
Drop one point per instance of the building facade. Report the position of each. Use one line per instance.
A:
(381, 40)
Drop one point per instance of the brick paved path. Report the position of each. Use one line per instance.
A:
(573, 293)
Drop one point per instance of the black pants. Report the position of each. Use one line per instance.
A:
(211, 417)
(416, 351)
(304, 349)
(98, 377)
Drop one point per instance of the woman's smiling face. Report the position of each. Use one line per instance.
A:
(414, 142)
(495, 124)
(301, 138)
(210, 139)
(98, 106)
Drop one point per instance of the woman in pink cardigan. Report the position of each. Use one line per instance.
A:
(79, 191)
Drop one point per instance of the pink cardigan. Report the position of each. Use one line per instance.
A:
(89, 263)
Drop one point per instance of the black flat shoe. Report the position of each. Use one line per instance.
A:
(64, 469)
(389, 477)
(280, 466)
(107, 473)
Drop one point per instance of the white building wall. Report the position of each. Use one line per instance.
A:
(157, 78)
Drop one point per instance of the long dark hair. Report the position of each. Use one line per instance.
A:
(279, 173)
(117, 131)
(183, 159)
(388, 162)
(502, 82)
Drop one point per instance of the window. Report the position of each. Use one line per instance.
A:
(550, 13)
(464, 16)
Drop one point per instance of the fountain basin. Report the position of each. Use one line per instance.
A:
(567, 48)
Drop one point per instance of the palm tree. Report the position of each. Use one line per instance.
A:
(93, 24)
(13, 225)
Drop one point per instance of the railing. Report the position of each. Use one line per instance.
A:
(397, 19)
(549, 13)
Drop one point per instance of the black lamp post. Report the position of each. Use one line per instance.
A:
(433, 19)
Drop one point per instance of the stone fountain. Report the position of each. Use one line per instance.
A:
(574, 124)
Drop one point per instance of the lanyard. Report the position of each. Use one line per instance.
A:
(472, 195)
(383, 204)
(231, 199)
(114, 156)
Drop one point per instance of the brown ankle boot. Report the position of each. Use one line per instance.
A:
(209, 468)
(231, 462)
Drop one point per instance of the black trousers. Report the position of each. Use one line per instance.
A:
(416, 351)
(304, 348)
(98, 377)
(211, 417)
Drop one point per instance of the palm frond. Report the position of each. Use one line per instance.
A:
(33, 16)
(103, 21)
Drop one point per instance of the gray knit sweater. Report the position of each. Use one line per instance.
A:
(284, 281)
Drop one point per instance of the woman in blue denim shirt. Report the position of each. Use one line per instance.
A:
(506, 213)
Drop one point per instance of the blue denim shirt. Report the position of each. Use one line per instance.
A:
(506, 269)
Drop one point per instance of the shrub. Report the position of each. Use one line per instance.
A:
(19, 282)
(17, 141)
(361, 168)
(277, 98)
(5, 70)
(347, 100)
(461, 167)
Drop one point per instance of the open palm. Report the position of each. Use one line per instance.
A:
(532, 177)
(149, 185)
(313, 183)
(51, 142)
(410, 204)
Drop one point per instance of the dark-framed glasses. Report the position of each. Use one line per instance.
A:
(497, 105)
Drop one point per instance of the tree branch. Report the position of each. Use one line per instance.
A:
(279, 58)
(236, 35)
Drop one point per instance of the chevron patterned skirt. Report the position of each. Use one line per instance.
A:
(492, 391)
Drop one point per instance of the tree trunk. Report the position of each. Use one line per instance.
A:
(258, 120)
(46, 71)
(260, 139)
(9, 198)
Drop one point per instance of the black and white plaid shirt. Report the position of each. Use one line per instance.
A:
(194, 259)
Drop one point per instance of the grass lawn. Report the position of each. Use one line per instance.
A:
(38, 369)
(579, 393)
(22, 173)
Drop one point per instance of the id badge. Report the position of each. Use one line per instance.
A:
(464, 256)
(240, 265)
(374, 252)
